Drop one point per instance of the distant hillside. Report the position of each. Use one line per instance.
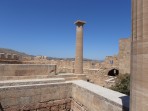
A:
(5, 50)
(85, 59)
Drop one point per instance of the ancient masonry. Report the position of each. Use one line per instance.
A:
(124, 55)
(120, 61)
(7, 56)
(59, 96)
(56, 94)
(50, 91)
(79, 47)
(139, 65)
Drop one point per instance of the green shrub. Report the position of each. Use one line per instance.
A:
(122, 84)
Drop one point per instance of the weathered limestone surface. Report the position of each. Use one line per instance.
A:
(2, 55)
(3, 78)
(110, 62)
(124, 55)
(97, 98)
(26, 69)
(76, 106)
(39, 97)
(79, 47)
(139, 66)
(30, 81)
(67, 96)
(96, 71)
(8, 56)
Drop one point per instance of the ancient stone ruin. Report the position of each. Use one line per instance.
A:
(42, 87)
(79, 47)
(139, 56)
(39, 87)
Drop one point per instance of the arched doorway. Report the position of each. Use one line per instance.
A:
(113, 72)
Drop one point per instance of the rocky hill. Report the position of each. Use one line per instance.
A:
(5, 50)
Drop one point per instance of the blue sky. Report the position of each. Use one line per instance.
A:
(46, 27)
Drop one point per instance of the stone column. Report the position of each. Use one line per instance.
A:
(79, 47)
(139, 56)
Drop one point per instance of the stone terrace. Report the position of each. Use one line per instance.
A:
(75, 95)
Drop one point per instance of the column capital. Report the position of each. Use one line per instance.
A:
(79, 23)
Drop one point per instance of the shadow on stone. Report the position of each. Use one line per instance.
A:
(125, 103)
(1, 108)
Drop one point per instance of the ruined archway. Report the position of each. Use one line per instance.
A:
(113, 72)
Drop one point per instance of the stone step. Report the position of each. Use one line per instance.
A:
(66, 76)
(71, 78)
(30, 81)
(63, 75)
(2, 78)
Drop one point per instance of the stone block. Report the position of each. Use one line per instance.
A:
(62, 106)
(8, 102)
(68, 105)
(36, 98)
(14, 93)
(46, 97)
(25, 100)
(2, 94)
(27, 107)
(43, 109)
(54, 108)
(50, 103)
(13, 108)
(41, 105)
(58, 102)
(27, 69)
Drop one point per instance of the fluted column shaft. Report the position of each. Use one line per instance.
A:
(139, 56)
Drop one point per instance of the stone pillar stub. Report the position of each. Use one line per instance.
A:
(79, 47)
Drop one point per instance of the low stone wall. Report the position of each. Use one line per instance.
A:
(97, 98)
(67, 96)
(26, 69)
(85, 71)
(47, 97)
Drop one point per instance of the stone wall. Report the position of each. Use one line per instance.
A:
(95, 98)
(96, 71)
(26, 69)
(9, 56)
(121, 61)
(110, 62)
(124, 55)
(47, 97)
(67, 96)
(67, 66)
